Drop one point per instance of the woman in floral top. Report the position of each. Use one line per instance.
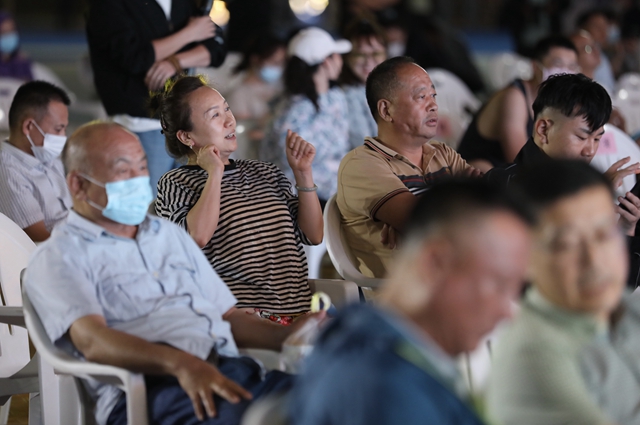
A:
(311, 108)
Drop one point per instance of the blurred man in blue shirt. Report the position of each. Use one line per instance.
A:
(460, 268)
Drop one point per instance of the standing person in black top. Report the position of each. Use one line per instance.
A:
(503, 124)
(135, 46)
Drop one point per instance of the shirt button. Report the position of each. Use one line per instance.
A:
(156, 275)
(198, 311)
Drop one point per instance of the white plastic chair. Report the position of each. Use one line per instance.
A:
(626, 99)
(75, 399)
(455, 102)
(314, 254)
(8, 89)
(339, 252)
(614, 145)
(501, 69)
(18, 372)
(270, 410)
(222, 77)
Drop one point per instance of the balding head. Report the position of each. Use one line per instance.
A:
(96, 154)
(89, 142)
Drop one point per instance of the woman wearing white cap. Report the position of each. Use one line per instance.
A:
(312, 108)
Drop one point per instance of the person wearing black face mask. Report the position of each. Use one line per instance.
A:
(33, 192)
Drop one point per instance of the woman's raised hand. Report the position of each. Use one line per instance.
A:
(208, 158)
(300, 153)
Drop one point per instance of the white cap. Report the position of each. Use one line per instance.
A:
(313, 45)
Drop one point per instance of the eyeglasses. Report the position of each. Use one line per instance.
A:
(363, 57)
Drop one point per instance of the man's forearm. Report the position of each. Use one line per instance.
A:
(198, 56)
(101, 344)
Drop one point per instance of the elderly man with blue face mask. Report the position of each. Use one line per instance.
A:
(33, 192)
(119, 287)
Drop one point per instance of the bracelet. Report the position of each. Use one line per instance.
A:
(173, 60)
(307, 189)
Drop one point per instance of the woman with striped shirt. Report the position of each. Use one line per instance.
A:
(242, 213)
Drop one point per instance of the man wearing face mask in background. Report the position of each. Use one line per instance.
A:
(503, 125)
(33, 192)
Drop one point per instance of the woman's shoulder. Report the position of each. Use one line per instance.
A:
(182, 175)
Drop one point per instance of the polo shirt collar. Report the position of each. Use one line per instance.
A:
(93, 231)
(579, 323)
(28, 160)
(428, 151)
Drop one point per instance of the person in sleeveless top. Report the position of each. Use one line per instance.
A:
(503, 125)
(242, 213)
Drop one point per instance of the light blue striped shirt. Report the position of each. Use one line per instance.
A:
(158, 286)
(31, 191)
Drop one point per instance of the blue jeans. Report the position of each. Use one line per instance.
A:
(158, 160)
(168, 404)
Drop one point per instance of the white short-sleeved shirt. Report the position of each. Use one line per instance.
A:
(31, 191)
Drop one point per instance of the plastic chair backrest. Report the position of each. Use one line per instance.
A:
(65, 364)
(338, 249)
(15, 248)
(505, 67)
(8, 89)
(627, 99)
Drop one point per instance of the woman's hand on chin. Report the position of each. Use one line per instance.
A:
(300, 153)
(208, 158)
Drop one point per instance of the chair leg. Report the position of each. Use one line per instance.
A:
(35, 409)
(4, 412)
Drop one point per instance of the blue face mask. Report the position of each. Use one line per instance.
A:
(127, 200)
(270, 73)
(9, 42)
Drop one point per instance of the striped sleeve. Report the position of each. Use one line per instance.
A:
(17, 200)
(175, 197)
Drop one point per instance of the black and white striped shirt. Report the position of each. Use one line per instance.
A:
(257, 246)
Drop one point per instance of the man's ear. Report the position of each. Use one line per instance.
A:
(77, 185)
(437, 259)
(541, 129)
(27, 125)
(384, 110)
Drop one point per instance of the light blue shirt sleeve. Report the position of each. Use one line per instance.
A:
(59, 285)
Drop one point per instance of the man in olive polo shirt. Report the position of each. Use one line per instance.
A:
(379, 181)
